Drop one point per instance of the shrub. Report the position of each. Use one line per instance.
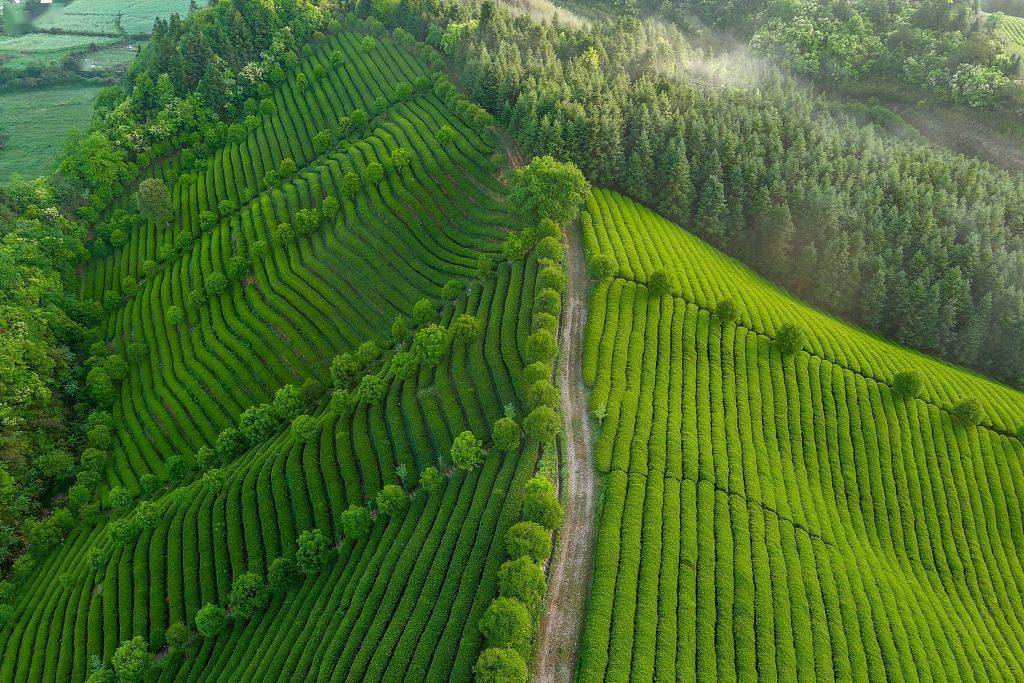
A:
(429, 344)
(248, 595)
(548, 301)
(540, 503)
(371, 389)
(431, 479)
(506, 623)
(547, 188)
(314, 551)
(174, 316)
(391, 500)
(211, 620)
(177, 636)
(423, 311)
(602, 266)
(374, 172)
(132, 660)
(288, 402)
(6, 615)
(535, 372)
(524, 580)
(550, 248)
(542, 424)
(542, 393)
(149, 482)
(659, 284)
(257, 422)
(541, 347)
(789, 339)
(544, 321)
(506, 434)
(906, 384)
(403, 364)
(451, 289)
(177, 468)
(283, 575)
(119, 498)
(284, 233)
(552, 278)
(500, 665)
(467, 451)
(304, 428)
(355, 522)
(967, 412)
(726, 311)
(529, 539)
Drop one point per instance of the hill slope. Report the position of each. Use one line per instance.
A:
(775, 515)
(284, 284)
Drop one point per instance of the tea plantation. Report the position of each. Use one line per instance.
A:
(305, 374)
(785, 497)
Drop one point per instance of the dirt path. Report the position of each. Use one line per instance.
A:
(571, 567)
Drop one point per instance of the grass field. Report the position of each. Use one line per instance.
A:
(406, 601)
(43, 49)
(36, 122)
(112, 17)
(786, 516)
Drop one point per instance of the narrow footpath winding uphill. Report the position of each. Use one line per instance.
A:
(572, 564)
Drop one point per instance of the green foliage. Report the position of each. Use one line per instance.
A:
(248, 595)
(506, 434)
(355, 522)
(500, 665)
(528, 539)
(523, 579)
(178, 637)
(541, 347)
(967, 412)
(546, 188)
(467, 451)
(506, 623)
(428, 344)
(789, 339)
(132, 660)
(431, 479)
(314, 552)
(283, 575)
(211, 620)
(542, 424)
(540, 503)
(726, 311)
(423, 311)
(907, 384)
(392, 500)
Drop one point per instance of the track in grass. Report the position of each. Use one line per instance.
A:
(774, 516)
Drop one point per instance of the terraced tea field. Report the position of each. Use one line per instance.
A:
(785, 515)
(412, 225)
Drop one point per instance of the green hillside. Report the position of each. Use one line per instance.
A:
(773, 511)
(302, 337)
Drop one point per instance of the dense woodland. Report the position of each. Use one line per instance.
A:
(911, 242)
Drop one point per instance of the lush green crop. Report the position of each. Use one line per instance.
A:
(785, 516)
(405, 600)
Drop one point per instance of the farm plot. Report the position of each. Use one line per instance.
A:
(395, 240)
(35, 122)
(109, 17)
(770, 515)
(403, 603)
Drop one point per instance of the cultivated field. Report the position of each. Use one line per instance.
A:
(109, 17)
(785, 515)
(285, 284)
(35, 122)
